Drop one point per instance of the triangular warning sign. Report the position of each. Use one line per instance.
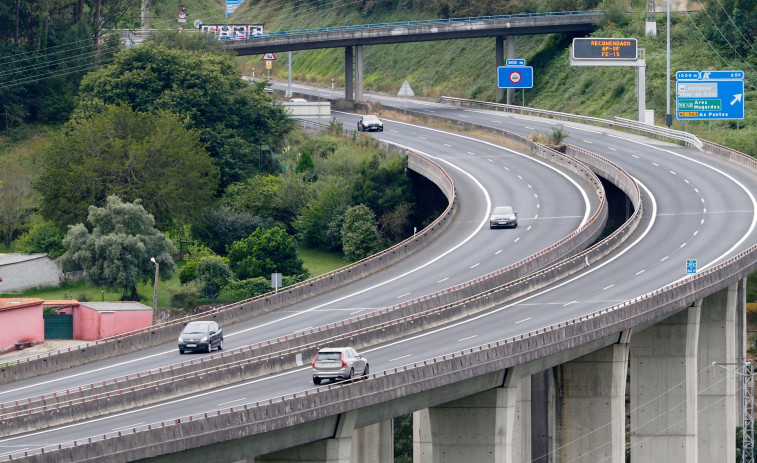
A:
(268, 57)
(405, 90)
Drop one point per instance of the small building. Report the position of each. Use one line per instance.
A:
(98, 320)
(23, 271)
(20, 322)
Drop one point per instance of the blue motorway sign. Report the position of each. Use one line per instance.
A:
(709, 95)
(691, 266)
(515, 77)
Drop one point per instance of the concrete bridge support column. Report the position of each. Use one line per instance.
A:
(484, 427)
(348, 63)
(664, 390)
(592, 400)
(358, 73)
(374, 443)
(717, 386)
(338, 449)
(499, 59)
(510, 55)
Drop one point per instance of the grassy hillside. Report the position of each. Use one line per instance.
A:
(466, 68)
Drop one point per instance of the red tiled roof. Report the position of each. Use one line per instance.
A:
(7, 303)
(61, 302)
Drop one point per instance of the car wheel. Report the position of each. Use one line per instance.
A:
(210, 346)
(181, 351)
(316, 380)
(352, 373)
(220, 345)
(365, 372)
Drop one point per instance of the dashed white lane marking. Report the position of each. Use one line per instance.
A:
(475, 265)
(607, 287)
(403, 295)
(613, 149)
(448, 145)
(443, 280)
(664, 258)
(469, 337)
(524, 320)
(655, 164)
(229, 402)
(516, 239)
(640, 272)
(398, 358)
(497, 252)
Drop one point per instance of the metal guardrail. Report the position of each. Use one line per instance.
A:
(688, 139)
(421, 23)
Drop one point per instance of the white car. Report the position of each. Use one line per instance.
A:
(338, 363)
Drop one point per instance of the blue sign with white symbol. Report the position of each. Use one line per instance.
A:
(515, 62)
(691, 266)
(709, 95)
(515, 77)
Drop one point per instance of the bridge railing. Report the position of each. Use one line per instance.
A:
(357, 27)
(688, 139)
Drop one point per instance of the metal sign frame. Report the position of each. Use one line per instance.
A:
(709, 95)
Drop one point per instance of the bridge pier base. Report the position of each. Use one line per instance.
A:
(592, 404)
(664, 389)
(484, 427)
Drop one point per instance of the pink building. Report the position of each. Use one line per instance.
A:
(20, 321)
(98, 320)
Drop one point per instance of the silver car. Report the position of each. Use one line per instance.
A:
(338, 363)
(503, 216)
(370, 123)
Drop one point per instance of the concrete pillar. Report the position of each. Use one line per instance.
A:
(348, 63)
(374, 443)
(335, 450)
(480, 428)
(664, 390)
(543, 419)
(358, 73)
(510, 55)
(592, 404)
(499, 59)
(717, 386)
(522, 431)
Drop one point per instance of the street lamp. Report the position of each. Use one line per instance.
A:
(155, 290)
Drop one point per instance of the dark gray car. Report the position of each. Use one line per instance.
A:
(201, 336)
(503, 216)
(338, 363)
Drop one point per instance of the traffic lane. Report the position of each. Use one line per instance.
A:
(319, 311)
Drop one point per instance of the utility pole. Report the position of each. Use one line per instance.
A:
(155, 292)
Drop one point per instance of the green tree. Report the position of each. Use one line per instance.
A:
(360, 236)
(15, 200)
(305, 163)
(383, 185)
(151, 157)
(265, 252)
(215, 274)
(219, 227)
(320, 221)
(234, 118)
(44, 237)
(194, 255)
(116, 254)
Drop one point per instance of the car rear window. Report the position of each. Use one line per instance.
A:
(324, 356)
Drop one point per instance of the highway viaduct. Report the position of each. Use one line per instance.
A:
(554, 394)
(354, 38)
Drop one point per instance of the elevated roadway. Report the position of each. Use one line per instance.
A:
(686, 195)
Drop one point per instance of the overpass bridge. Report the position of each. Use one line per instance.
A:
(546, 377)
(354, 38)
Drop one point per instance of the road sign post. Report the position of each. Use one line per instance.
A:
(709, 95)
